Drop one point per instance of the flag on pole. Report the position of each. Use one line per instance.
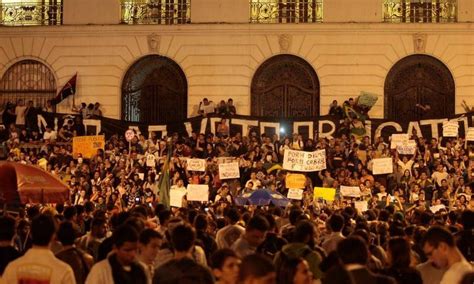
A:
(66, 91)
(164, 181)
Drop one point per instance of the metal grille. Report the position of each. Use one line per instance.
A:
(420, 11)
(164, 12)
(24, 13)
(29, 80)
(286, 11)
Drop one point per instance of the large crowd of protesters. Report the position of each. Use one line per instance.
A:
(114, 228)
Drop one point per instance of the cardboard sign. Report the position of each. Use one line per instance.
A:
(361, 206)
(408, 148)
(300, 161)
(176, 197)
(367, 99)
(197, 165)
(87, 146)
(150, 160)
(295, 193)
(295, 181)
(198, 192)
(382, 166)
(436, 208)
(350, 191)
(325, 193)
(229, 170)
(470, 134)
(398, 139)
(450, 128)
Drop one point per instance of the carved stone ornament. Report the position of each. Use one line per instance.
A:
(154, 43)
(285, 42)
(419, 43)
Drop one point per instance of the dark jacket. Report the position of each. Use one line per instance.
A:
(364, 276)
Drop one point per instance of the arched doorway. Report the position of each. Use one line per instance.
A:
(154, 90)
(415, 82)
(285, 86)
(28, 80)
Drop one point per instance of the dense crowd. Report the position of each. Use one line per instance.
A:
(114, 229)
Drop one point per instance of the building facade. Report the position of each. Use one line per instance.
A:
(146, 61)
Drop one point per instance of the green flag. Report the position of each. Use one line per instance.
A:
(164, 181)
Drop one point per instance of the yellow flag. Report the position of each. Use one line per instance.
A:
(325, 193)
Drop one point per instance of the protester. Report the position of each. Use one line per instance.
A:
(225, 266)
(39, 264)
(8, 253)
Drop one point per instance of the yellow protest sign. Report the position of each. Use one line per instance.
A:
(87, 146)
(325, 193)
(295, 181)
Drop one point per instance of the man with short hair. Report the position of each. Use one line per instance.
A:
(8, 253)
(301, 246)
(39, 265)
(335, 224)
(149, 244)
(254, 235)
(121, 266)
(182, 268)
(226, 236)
(354, 254)
(91, 241)
(440, 248)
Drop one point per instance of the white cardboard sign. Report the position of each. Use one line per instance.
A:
(229, 170)
(301, 161)
(382, 166)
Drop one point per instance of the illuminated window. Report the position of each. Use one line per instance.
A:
(420, 11)
(31, 13)
(286, 11)
(165, 12)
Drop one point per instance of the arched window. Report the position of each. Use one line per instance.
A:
(29, 80)
(285, 86)
(419, 87)
(154, 90)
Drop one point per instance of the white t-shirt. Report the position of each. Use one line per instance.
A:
(41, 265)
(20, 115)
(456, 272)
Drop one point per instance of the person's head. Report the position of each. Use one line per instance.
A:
(399, 252)
(304, 232)
(183, 237)
(353, 250)
(233, 215)
(335, 223)
(125, 242)
(438, 243)
(7, 228)
(294, 271)
(257, 269)
(225, 266)
(66, 233)
(99, 227)
(256, 230)
(43, 228)
(149, 244)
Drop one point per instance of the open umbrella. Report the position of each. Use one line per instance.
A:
(21, 183)
(262, 197)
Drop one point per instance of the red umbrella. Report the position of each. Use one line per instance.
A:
(29, 184)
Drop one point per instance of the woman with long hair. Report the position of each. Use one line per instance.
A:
(293, 271)
(399, 259)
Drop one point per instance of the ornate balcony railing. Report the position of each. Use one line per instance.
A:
(31, 14)
(286, 11)
(420, 11)
(166, 12)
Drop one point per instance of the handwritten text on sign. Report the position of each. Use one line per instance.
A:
(301, 161)
(350, 191)
(87, 146)
(295, 180)
(398, 139)
(382, 166)
(229, 170)
(198, 165)
(295, 193)
(198, 192)
(407, 148)
(450, 128)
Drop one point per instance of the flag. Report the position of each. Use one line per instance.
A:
(66, 91)
(164, 181)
